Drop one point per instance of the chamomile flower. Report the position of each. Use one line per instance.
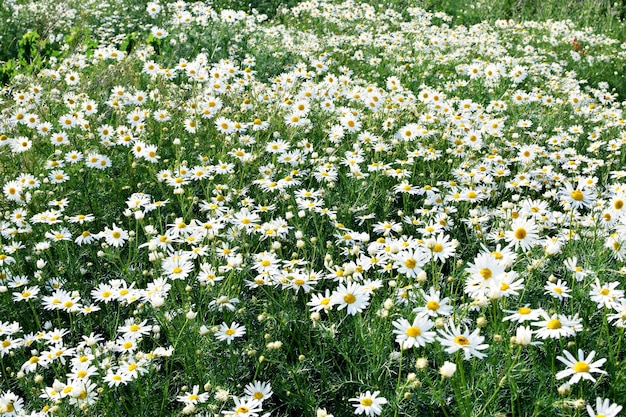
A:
(369, 403)
(581, 367)
(523, 234)
(470, 343)
(245, 407)
(557, 289)
(193, 397)
(606, 295)
(557, 326)
(604, 408)
(351, 297)
(259, 390)
(413, 334)
(229, 333)
(115, 236)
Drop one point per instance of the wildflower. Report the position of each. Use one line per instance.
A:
(320, 302)
(410, 262)
(581, 367)
(114, 379)
(369, 403)
(258, 390)
(580, 197)
(523, 336)
(26, 294)
(413, 334)
(572, 265)
(454, 339)
(523, 234)
(115, 236)
(447, 369)
(558, 290)
(229, 333)
(604, 408)
(523, 314)
(245, 407)
(606, 295)
(557, 326)
(353, 298)
(193, 397)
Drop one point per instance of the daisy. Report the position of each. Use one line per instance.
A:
(557, 326)
(581, 367)
(369, 403)
(229, 333)
(114, 379)
(606, 295)
(441, 247)
(413, 334)
(572, 264)
(27, 294)
(619, 318)
(471, 343)
(193, 397)
(353, 298)
(558, 290)
(245, 407)
(581, 196)
(604, 408)
(410, 262)
(320, 302)
(523, 314)
(115, 236)
(258, 390)
(435, 306)
(523, 234)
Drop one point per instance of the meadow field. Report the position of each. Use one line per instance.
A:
(312, 208)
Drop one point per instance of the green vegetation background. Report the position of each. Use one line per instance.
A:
(23, 41)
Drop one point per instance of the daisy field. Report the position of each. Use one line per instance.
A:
(314, 208)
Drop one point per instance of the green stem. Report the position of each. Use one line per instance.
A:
(500, 382)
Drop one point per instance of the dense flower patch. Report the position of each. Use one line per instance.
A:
(345, 209)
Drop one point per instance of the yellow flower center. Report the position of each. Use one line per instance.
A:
(258, 395)
(413, 331)
(520, 233)
(438, 247)
(461, 340)
(581, 367)
(605, 291)
(349, 298)
(366, 402)
(230, 332)
(554, 324)
(432, 305)
(577, 195)
(524, 310)
(177, 270)
(116, 234)
(486, 273)
(410, 263)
